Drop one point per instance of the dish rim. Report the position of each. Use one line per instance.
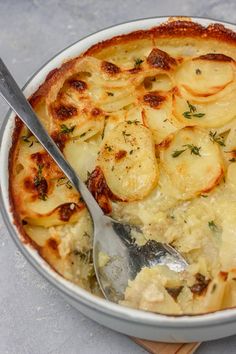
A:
(66, 287)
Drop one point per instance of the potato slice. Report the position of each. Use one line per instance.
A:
(192, 161)
(203, 77)
(81, 156)
(159, 119)
(47, 198)
(207, 99)
(127, 159)
(207, 115)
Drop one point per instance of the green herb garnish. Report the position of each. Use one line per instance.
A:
(66, 130)
(192, 112)
(108, 147)
(40, 183)
(64, 181)
(176, 153)
(137, 63)
(194, 150)
(217, 138)
(212, 226)
(83, 134)
(25, 138)
(133, 122)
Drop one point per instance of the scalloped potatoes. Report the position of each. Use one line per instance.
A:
(148, 122)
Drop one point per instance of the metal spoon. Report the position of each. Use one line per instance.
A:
(111, 237)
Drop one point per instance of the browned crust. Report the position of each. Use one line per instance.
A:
(166, 30)
(110, 68)
(98, 187)
(169, 29)
(215, 57)
(120, 154)
(13, 206)
(154, 99)
(159, 59)
(214, 183)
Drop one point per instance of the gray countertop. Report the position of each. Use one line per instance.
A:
(34, 319)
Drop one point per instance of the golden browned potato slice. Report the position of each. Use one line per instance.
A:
(46, 198)
(127, 53)
(192, 161)
(208, 115)
(127, 159)
(159, 119)
(205, 75)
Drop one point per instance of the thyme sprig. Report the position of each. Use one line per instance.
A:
(25, 138)
(192, 112)
(212, 226)
(194, 150)
(216, 138)
(64, 181)
(137, 63)
(40, 183)
(66, 130)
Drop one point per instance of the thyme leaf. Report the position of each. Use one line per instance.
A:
(213, 227)
(25, 138)
(108, 147)
(40, 183)
(83, 134)
(66, 130)
(133, 122)
(192, 112)
(137, 63)
(64, 181)
(216, 138)
(176, 153)
(195, 150)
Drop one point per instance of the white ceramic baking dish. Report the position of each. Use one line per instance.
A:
(132, 322)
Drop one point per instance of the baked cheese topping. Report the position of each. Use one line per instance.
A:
(148, 121)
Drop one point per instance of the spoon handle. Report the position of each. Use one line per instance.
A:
(12, 94)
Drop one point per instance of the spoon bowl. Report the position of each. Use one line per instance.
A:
(112, 239)
(118, 258)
